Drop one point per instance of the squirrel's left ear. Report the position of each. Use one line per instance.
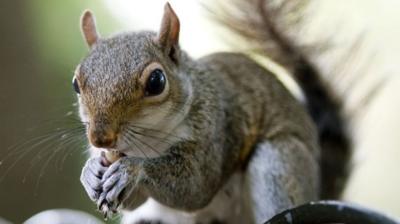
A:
(168, 36)
(88, 27)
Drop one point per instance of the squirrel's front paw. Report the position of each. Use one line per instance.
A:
(117, 184)
(91, 176)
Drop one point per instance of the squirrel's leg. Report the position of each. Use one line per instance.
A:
(185, 178)
(281, 173)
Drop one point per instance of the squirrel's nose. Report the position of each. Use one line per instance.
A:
(103, 139)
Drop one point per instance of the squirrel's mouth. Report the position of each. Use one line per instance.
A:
(121, 152)
(115, 151)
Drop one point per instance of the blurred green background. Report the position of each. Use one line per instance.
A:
(40, 45)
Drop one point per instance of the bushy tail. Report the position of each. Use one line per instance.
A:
(264, 24)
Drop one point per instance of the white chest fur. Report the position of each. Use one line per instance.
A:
(228, 206)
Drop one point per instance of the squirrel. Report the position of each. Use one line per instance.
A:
(212, 140)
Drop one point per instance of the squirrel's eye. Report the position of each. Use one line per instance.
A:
(155, 83)
(76, 85)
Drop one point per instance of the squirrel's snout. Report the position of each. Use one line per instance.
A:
(103, 139)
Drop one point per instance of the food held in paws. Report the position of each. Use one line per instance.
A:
(110, 157)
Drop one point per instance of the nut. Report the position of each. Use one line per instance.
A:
(109, 157)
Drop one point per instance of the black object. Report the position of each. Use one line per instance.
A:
(330, 212)
(155, 83)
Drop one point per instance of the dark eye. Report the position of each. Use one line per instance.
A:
(155, 83)
(76, 86)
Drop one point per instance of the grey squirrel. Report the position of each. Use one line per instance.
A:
(213, 140)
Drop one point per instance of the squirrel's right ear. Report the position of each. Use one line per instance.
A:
(168, 36)
(88, 28)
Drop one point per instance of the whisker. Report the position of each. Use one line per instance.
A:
(48, 149)
(79, 141)
(33, 144)
(23, 154)
(64, 137)
(164, 140)
(41, 172)
(38, 157)
(144, 143)
(73, 142)
(156, 131)
(129, 136)
(66, 155)
(18, 147)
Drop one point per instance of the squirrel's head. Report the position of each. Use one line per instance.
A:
(130, 88)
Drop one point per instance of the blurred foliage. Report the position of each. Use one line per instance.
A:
(40, 47)
(57, 32)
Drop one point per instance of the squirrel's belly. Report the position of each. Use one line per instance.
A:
(229, 205)
(226, 207)
(153, 212)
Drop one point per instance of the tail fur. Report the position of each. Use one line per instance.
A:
(264, 24)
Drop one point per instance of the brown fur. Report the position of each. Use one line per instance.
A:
(266, 29)
(222, 115)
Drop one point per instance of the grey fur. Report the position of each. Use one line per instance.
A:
(233, 106)
(273, 176)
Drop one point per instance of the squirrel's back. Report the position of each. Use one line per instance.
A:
(257, 94)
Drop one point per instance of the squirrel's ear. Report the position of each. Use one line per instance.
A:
(168, 36)
(88, 27)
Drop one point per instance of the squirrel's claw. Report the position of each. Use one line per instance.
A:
(106, 208)
(91, 177)
(116, 181)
